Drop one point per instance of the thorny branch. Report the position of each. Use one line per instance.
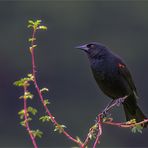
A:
(40, 94)
(26, 120)
(95, 131)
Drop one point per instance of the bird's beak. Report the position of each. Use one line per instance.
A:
(82, 47)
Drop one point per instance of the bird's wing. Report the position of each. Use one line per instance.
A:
(123, 70)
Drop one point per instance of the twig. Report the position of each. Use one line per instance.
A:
(41, 97)
(91, 131)
(26, 120)
(99, 122)
(125, 124)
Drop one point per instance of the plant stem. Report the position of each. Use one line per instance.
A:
(26, 120)
(125, 125)
(40, 94)
(99, 122)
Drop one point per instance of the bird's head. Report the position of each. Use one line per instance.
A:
(93, 49)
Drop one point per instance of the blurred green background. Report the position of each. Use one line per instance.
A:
(74, 96)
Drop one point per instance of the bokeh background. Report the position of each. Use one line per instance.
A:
(74, 96)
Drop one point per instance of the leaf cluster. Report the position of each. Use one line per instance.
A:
(37, 133)
(59, 128)
(24, 81)
(45, 118)
(36, 25)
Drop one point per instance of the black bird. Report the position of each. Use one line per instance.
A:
(113, 78)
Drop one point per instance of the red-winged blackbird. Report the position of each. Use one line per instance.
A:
(113, 78)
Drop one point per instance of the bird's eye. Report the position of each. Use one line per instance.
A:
(91, 46)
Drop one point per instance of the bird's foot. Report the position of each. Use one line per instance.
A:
(105, 113)
(119, 101)
(102, 115)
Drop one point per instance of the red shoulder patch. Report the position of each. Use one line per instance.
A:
(121, 65)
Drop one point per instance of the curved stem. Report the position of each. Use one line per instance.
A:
(40, 94)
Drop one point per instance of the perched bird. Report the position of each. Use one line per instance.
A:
(113, 78)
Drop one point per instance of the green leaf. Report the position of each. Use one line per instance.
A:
(59, 128)
(36, 24)
(44, 89)
(30, 76)
(21, 113)
(24, 81)
(42, 27)
(137, 128)
(46, 101)
(28, 95)
(29, 26)
(32, 110)
(21, 82)
(31, 39)
(94, 127)
(21, 97)
(31, 22)
(32, 47)
(105, 119)
(92, 135)
(23, 123)
(37, 133)
(38, 21)
(132, 121)
(45, 118)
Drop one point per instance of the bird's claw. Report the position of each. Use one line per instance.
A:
(119, 101)
(105, 113)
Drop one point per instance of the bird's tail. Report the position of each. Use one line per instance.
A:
(132, 111)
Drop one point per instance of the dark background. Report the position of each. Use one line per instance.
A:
(74, 96)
